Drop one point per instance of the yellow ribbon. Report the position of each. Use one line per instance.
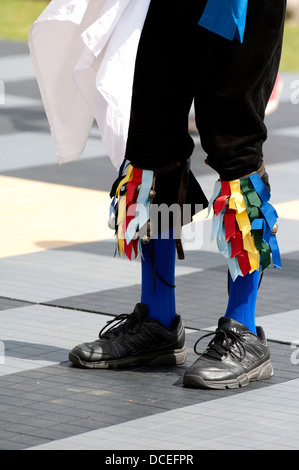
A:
(125, 180)
(120, 221)
(122, 203)
(254, 259)
(243, 223)
(236, 200)
(249, 244)
(237, 203)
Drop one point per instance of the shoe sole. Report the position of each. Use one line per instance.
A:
(165, 358)
(264, 371)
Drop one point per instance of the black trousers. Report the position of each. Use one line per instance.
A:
(230, 83)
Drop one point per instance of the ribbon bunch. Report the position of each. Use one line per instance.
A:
(243, 225)
(130, 208)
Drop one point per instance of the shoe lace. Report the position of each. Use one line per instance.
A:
(223, 343)
(122, 323)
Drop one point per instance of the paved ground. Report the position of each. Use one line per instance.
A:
(59, 284)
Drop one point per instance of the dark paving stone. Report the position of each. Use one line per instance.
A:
(29, 119)
(201, 297)
(64, 401)
(89, 173)
(6, 304)
(11, 48)
(27, 89)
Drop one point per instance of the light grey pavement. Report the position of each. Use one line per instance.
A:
(59, 284)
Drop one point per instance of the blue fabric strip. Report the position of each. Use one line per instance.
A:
(270, 215)
(223, 246)
(234, 268)
(217, 226)
(276, 258)
(260, 224)
(143, 205)
(216, 193)
(260, 187)
(226, 18)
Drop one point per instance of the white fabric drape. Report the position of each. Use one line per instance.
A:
(84, 54)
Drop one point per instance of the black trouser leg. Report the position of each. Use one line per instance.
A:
(231, 83)
(231, 99)
(164, 84)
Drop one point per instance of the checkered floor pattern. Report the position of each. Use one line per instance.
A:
(60, 283)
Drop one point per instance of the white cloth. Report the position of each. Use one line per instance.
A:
(84, 53)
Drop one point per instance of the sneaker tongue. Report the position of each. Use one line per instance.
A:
(141, 310)
(227, 324)
(221, 344)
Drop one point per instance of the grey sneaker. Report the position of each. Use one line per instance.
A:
(134, 339)
(233, 358)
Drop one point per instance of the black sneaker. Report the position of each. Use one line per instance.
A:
(131, 340)
(233, 358)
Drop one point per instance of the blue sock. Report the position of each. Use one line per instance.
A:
(242, 299)
(156, 294)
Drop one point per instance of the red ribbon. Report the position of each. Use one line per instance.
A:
(230, 223)
(244, 263)
(220, 202)
(131, 200)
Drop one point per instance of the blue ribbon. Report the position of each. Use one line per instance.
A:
(143, 205)
(234, 268)
(226, 18)
(223, 246)
(270, 215)
(269, 220)
(276, 259)
(260, 187)
(216, 193)
(260, 224)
